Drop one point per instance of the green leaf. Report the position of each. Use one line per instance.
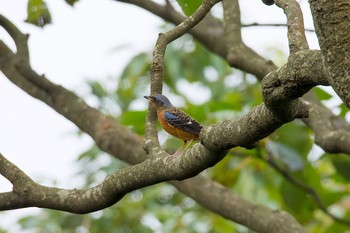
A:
(97, 89)
(341, 162)
(295, 135)
(288, 156)
(336, 227)
(189, 60)
(322, 94)
(189, 6)
(227, 171)
(133, 81)
(330, 198)
(343, 110)
(38, 13)
(28, 222)
(134, 120)
(71, 2)
(296, 200)
(90, 154)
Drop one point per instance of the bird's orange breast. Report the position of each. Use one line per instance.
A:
(173, 130)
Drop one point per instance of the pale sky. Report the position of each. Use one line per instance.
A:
(81, 45)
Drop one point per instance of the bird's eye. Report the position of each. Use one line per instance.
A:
(154, 99)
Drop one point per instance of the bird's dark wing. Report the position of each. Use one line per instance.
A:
(181, 120)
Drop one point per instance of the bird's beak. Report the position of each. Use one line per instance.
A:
(147, 97)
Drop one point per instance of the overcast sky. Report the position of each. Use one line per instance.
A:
(81, 44)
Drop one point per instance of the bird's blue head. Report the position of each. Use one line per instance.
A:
(159, 101)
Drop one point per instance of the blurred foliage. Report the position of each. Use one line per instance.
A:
(209, 90)
(38, 13)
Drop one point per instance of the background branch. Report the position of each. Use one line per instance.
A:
(259, 218)
(303, 71)
(271, 25)
(331, 131)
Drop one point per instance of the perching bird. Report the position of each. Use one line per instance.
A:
(174, 121)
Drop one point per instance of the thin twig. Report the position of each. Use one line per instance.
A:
(272, 25)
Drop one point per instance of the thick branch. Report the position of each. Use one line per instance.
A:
(282, 86)
(26, 193)
(256, 125)
(303, 71)
(331, 20)
(332, 133)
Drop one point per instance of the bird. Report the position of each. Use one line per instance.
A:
(175, 122)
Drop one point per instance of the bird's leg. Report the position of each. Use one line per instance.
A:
(187, 145)
(182, 149)
(179, 151)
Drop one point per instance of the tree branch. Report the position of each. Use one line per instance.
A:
(303, 71)
(281, 87)
(27, 193)
(12, 173)
(331, 132)
(331, 20)
(296, 32)
(257, 124)
(272, 25)
(19, 38)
